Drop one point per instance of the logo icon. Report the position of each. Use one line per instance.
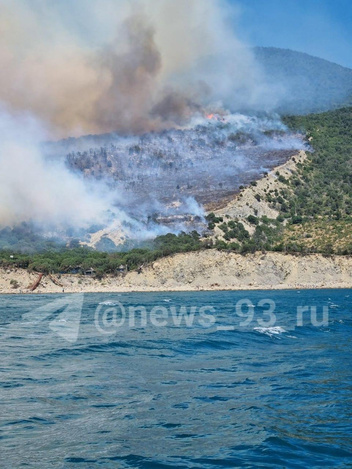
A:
(66, 324)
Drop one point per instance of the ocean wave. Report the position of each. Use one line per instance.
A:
(108, 303)
(270, 331)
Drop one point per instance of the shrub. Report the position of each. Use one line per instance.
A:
(252, 220)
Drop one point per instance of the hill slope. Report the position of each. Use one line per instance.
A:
(309, 202)
(304, 206)
(311, 84)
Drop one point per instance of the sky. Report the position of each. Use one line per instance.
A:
(322, 28)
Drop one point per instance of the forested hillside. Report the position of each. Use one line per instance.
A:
(322, 188)
(314, 204)
(309, 84)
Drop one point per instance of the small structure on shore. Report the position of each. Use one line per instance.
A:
(90, 272)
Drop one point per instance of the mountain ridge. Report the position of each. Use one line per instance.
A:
(311, 84)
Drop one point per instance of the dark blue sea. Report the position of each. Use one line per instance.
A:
(177, 380)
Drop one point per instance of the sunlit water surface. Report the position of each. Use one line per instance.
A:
(177, 396)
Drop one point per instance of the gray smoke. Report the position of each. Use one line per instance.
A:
(151, 65)
(77, 68)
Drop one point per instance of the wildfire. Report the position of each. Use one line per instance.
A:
(215, 117)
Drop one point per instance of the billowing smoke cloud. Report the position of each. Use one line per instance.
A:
(33, 189)
(45, 193)
(77, 68)
(116, 65)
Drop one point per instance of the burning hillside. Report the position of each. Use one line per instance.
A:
(158, 73)
(206, 161)
(175, 172)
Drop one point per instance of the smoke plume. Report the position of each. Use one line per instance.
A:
(33, 189)
(116, 65)
(130, 67)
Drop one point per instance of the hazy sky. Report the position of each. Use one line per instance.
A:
(319, 27)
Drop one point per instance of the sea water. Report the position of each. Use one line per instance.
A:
(177, 380)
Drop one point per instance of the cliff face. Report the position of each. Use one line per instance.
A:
(206, 270)
(220, 270)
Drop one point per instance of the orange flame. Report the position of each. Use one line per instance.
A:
(210, 116)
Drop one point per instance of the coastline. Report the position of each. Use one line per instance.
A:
(200, 271)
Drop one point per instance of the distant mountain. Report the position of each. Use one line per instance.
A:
(310, 84)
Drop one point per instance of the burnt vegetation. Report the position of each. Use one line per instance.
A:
(315, 215)
(208, 161)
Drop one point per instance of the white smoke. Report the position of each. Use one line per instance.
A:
(73, 68)
(31, 188)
